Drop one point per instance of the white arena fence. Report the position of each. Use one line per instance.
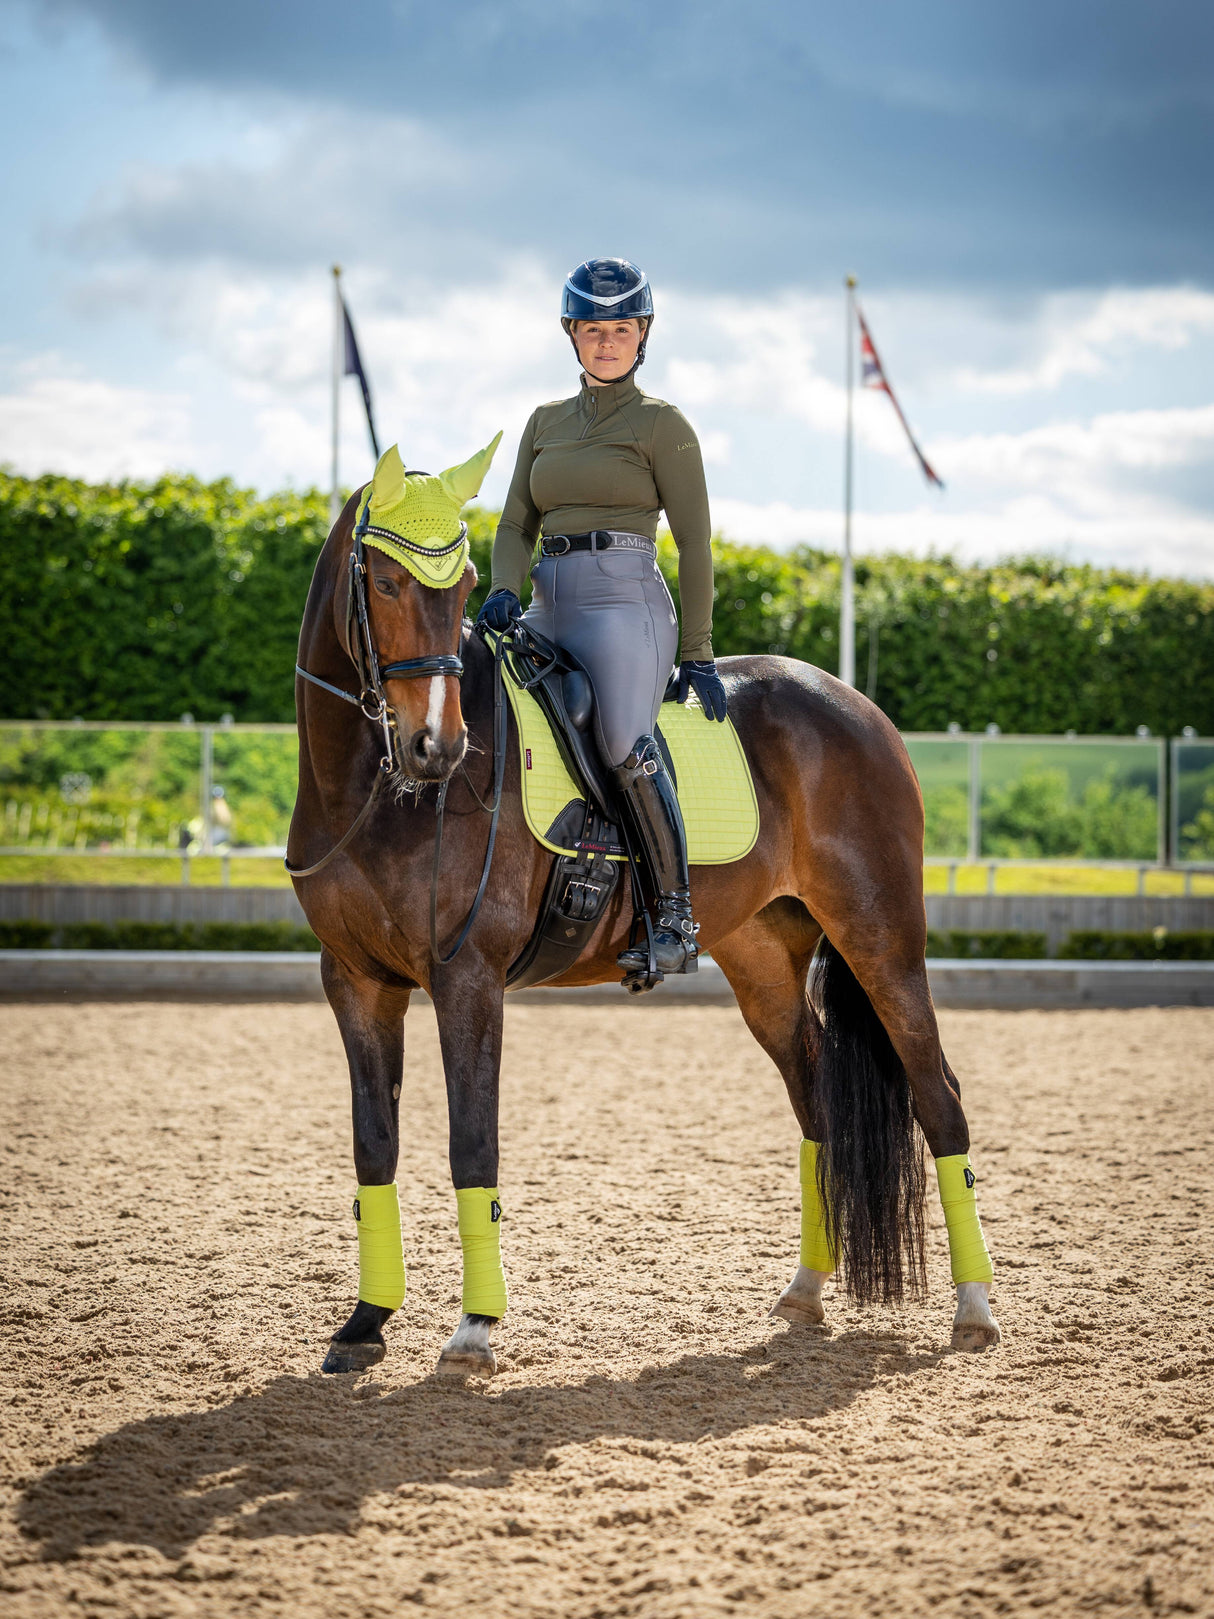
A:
(182, 790)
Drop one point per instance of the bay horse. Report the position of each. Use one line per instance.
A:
(834, 881)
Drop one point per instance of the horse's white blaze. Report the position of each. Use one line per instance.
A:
(438, 697)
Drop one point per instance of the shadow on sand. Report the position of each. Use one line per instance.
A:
(302, 1455)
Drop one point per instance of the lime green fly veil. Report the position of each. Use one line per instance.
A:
(413, 517)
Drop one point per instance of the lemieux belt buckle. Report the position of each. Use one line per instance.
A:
(550, 542)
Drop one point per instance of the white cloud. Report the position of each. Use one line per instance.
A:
(1071, 454)
(55, 419)
(1081, 334)
(1154, 539)
(717, 449)
(751, 353)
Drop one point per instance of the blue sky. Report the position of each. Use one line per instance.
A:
(1023, 192)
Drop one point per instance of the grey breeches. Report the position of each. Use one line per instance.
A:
(610, 609)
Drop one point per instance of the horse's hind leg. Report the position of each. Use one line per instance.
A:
(766, 961)
(893, 974)
(370, 1017)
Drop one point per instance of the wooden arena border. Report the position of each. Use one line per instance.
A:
(221, 975)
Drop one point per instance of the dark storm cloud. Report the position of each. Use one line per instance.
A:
(1042, 144)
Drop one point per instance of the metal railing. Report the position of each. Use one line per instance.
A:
(151, 790)
(181, 790)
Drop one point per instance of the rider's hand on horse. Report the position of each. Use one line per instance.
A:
(499, 610)
(709, 687)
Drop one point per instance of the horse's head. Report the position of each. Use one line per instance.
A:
(419, 575)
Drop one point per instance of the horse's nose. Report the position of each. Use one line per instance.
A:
(433, 757)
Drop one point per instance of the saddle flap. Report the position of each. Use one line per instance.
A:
(564, 692)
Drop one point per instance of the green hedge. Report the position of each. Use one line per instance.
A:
(956, 943)
(1160, 944)
(157, 936)
(148, 600)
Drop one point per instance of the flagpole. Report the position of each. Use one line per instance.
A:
(847, 593)
(335, 394)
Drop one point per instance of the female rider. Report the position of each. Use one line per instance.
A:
(593, 472)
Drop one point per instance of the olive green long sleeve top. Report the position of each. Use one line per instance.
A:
(612, 457)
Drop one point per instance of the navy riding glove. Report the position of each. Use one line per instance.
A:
(709, 687)
(499, 610)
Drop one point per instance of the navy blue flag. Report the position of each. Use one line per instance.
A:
(354, 368)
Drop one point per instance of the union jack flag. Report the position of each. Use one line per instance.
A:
(872, 375)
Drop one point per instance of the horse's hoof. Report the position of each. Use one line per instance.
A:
(467, 1362)
(975, 1336)
(800, 1310)
(353, 1357)
(800, 1304)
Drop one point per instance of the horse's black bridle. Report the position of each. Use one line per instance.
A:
(372, 702)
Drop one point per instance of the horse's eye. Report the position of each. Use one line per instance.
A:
(385, 587)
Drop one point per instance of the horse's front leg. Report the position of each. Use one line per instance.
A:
(468, 998)
(371, 1019)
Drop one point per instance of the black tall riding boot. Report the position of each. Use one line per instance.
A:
(656, 823)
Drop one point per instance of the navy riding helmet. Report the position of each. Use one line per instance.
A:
(608, 289)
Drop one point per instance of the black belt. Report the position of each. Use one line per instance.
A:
(599, 539)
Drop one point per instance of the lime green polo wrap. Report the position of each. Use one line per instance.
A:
(816, 1251)
(381, 1258)
(966, 1245)
(480, 1235)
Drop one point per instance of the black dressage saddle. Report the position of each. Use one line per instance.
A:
(581, 885)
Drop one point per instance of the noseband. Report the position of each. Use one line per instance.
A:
(372, 701)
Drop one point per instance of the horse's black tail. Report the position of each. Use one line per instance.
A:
(870, 1166)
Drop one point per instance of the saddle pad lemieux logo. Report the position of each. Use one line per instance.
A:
(528, 758)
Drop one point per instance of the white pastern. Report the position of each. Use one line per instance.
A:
(468, 1352)
(974, 1327)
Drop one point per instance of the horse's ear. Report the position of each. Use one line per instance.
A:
(464, 481)
(388, 485)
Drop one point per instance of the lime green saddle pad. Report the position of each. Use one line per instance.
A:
(716, 793)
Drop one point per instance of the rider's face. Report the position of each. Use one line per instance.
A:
(607, 348)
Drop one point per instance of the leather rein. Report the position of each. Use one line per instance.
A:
(372, 703)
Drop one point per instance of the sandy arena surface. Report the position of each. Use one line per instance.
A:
(178, 1249)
